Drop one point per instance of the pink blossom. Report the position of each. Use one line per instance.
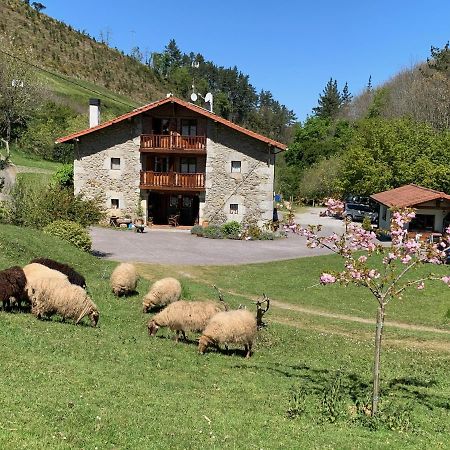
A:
(362, 259)
(327, 278)
(421, 285)
(373, 274)
(406, 259)
(446, 280)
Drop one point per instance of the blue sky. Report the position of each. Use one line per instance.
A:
(291, 48)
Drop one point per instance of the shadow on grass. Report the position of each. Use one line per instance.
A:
(316, 381)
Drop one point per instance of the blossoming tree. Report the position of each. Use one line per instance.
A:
(385, 283)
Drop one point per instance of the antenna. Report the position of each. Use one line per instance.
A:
(194, 97)
(209, 99)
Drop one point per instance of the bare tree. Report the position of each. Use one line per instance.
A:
(20, 93)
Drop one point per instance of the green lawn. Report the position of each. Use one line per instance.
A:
(22, 159)
(66, 386)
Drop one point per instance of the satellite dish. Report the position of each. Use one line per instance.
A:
(194, 97)
(208, 97)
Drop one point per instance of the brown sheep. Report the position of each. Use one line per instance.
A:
(184, 316)
(73, 276)
(12, 285)
(230, 327)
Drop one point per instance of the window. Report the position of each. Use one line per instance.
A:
(115, 163)
(173, 201)
(234, 208)
(114, 203)
(189, 127)
(161, 164)
(235, 166)
(384, 208)
(422, 222)
(188, 165)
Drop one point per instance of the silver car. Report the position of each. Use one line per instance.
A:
(357, 211)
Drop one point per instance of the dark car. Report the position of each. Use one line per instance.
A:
(357, 212)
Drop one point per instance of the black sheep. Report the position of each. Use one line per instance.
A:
(73, 276)
(12, 284)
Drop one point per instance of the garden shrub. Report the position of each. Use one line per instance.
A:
(267, 236)
(71, 232)
(197, 230)
(366, 224)
(231, 228)
(213, 232)
(64, 177)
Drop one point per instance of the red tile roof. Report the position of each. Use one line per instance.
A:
(409, 195)
(180, 102)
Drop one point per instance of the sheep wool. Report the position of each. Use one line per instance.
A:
(184, 316)
(124, 279)
(73, 276)
(34, 272)
(12, 285)
(162, 292)
(230, 327)
(57, 296)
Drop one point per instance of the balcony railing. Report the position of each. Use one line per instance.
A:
(172, 180)
(188, 144)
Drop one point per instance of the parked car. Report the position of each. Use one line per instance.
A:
(357, 211)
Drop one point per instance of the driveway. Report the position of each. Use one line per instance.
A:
(180, 247)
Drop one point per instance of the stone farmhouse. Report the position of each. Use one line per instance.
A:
(173, 159)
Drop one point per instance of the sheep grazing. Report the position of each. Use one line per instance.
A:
(230, 327)
(34, 272)
(162, 292)
(184, 316)
(57, 296)
(12, 285)
(124, 279)
(73, 276)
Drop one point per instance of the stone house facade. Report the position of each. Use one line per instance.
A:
(174, 160)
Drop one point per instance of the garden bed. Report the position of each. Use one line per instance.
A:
(236, 231)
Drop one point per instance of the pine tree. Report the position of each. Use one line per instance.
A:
(369, 84)
(329, 101)
(346, 97)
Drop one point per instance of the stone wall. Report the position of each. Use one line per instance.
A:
(93, 175)
(251, 189)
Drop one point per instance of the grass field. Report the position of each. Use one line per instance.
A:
(22, 159)
(66, 386)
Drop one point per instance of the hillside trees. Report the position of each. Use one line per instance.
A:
(20, 95)
(329, 101)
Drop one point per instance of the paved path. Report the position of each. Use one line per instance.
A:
(180, 247)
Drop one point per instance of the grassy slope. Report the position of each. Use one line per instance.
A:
(66, 386)
(22, 159)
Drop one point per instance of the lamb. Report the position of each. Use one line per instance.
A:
(73, 276)
(124, 279)
(237, 326)
(184, 316)
(57, 296)
(12, 284)
(162, 292)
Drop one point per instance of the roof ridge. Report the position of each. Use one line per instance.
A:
(425, 188)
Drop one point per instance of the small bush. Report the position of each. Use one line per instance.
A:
(64, 176)
(383, 235)
(231, 228)
(213, 232)
(267, 236)
(197, 230)
(71, 232)
(333, 398)
(366, 224)
(297, 402)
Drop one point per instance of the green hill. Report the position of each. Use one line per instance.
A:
(53, 45)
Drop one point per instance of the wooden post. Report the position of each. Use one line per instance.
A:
(376, 366)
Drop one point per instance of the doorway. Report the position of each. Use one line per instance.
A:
(163, 205)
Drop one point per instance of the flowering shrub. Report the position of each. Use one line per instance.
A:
(386, 284)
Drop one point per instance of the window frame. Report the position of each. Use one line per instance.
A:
(235, 169)
(112, 163)
(113, 200)
(191, 125)
(234, 210)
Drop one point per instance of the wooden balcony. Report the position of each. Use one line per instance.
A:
(172, 181)
(173, 143)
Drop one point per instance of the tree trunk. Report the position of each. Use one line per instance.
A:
(376, 367)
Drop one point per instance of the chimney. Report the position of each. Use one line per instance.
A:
(94, 112)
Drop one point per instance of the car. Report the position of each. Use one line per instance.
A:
(357, 211)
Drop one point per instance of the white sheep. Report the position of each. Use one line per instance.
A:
(35, 272)
(57, 296)
(162, 292)
(124, 279)
(184, 316)
(230, 327)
